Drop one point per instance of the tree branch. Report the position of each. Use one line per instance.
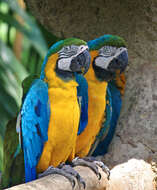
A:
(59, 182)
(131, 175)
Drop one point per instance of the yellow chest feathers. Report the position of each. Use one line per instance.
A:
(96, 108)
(96, 93)
(64, 118)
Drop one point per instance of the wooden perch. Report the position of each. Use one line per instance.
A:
(58, 182)
(132, 175)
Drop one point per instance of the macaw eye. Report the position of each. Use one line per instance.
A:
(67, 48)
(107, 51)
(81, 47)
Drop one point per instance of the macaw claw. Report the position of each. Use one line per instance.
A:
(66, 171)
(83, 162)
(71, 171)
(104, 168)
(100, 164)
(52, 170)
(92, 163)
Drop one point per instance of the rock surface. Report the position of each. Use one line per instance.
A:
(136, 134)
(132, 175)
(136, 21)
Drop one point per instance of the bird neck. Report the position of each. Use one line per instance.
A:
(90, 75)
(96, 88)
(53, 79)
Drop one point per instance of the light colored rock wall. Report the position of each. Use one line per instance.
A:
(136, 134)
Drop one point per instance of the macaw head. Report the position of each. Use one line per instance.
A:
(67, 57)
(109, 55)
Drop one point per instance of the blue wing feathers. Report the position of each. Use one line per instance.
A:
(116, 107)
(30, 173)
(37, 108)
(82, 94)
(35, 114)
(102, 148)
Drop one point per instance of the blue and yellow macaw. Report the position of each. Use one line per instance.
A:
(108, 57)
(50, 112)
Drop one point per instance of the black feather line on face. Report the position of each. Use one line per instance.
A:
(102, 74)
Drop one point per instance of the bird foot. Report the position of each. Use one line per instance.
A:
(66, 171)
(74, 173)
(52, 170)
(100, 164)
(87, 163)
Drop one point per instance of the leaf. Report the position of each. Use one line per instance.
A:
(11, 75)
(12, 72)
(29, 28)
(11, 62)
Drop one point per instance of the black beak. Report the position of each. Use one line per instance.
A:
(119, 63)
(81, 62)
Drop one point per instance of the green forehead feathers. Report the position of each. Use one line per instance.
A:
(67, 42)
(106, 40)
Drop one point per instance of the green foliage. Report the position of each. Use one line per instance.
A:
(13, 167)
(35, 42)
(11, 75)
(29, 28)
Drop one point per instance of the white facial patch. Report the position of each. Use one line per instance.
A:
(64, 64)
(67, 53)
(102, 61)
(107, 54)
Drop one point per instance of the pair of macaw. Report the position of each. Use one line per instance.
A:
(64, 114)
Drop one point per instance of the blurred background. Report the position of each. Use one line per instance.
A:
(23, 45)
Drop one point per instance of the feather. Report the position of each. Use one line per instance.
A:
(107, 40)
(95, 149)
(102, 148)
(34, 126)
(82, 94)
